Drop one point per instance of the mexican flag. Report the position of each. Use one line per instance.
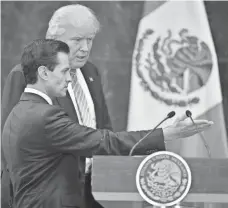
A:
(174, 67)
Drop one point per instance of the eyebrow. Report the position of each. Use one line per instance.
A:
(66, 69)
(78, 37)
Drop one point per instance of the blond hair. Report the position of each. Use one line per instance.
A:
(75, 15)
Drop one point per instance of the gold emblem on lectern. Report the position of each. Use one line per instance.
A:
(163, 179)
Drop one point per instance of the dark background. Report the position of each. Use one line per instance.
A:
(112, 50)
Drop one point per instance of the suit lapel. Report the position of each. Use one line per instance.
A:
(93, 85)
(68, 106)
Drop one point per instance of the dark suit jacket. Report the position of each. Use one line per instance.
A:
(14, 87)
(42, 145)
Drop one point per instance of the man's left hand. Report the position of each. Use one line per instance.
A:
(184, 127)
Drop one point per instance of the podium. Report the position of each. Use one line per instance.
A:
(114, 184)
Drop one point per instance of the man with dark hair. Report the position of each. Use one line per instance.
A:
(42, 144)
(43, 53)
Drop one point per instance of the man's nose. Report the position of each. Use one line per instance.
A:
(84, 45)
(68, 77)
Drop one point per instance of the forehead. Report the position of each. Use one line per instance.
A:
(63, 59)
(85, 30)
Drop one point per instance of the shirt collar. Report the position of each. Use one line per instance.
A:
(74, 72)
(43, 95)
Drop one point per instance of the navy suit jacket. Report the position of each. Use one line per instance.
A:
(42, 146)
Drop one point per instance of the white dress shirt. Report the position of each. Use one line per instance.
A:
(81, 80)
(89, 100)
(43, 95)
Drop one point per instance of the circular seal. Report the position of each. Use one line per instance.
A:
(163, 179)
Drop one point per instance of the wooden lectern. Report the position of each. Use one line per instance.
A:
(114, 185)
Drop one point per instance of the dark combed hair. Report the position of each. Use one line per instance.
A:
(41, 52)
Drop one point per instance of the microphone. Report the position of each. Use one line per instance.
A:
(189, 114)
(170, 115)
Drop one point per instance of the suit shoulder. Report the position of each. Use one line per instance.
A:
(55, 115)
(53, 110)
(16, 77)
(16, 71)
(17, 68)
(91, 67)
(38, 112)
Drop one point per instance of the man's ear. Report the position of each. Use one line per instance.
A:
(42, 72)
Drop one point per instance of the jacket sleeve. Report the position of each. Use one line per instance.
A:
(64, 135)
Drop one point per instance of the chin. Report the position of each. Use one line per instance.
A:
(78, 64)
(62, 94)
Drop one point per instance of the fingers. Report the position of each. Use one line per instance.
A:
(202, 122)
(197, 127)
(202, 125)
(188, 122)
(200, 129)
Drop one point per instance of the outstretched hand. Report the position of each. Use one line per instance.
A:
(183, 127)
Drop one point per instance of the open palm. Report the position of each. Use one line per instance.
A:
(184, 127)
